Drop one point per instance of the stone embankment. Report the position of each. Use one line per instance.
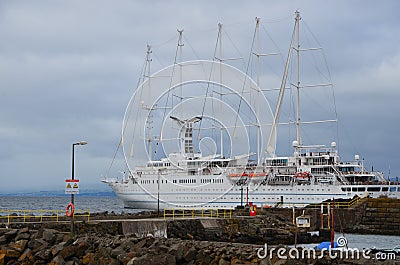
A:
(49, 246)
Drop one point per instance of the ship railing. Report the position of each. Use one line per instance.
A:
(340, 176)
(40, 216)
(338, 204)
(197, 213)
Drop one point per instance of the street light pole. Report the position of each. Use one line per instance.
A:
(73, 177)
(158, 194)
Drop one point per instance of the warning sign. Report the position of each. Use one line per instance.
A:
(72, 186)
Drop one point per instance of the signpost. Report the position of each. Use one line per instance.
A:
(72, 186)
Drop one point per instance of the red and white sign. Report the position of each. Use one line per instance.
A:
(72, 186)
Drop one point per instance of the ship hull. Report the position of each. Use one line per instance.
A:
(228, 196)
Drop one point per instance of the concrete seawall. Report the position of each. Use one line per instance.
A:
(381, 216)
(368, 216)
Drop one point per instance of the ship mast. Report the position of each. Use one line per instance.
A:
(180, 45)
(270, 146)
(149, 119)
(220, 86)
(258, 91)
(297, 49)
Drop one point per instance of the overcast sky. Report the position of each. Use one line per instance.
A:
(69, 68)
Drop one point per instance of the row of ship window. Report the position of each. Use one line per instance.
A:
(295, 190)
(250, 198)
(371, 189)
(180, 181)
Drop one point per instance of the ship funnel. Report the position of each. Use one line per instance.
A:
(187, 134)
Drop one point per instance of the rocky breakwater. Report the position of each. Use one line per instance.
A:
(49, 246)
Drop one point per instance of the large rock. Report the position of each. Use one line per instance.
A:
(190, 254)
(49, 236)
(162, 259)
(57, 248)
(44, 255)
(3, 240)
(11, 234)
(19, 245)
(73, 251)
(37, 245)
(26, 255)
(57, 260)
(2, 258)
(89, 259)
(22, 236)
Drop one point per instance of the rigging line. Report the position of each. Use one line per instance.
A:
(233, 44)
(158, 60)
(120, 140)
(245, 79)
(168, 95)
(143, 74)
(275, 45)
(208, 83)
(191, 47)
(312, 54)
(329, 78)
(279, 20)
(165, 42)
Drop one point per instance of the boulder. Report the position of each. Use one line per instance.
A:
(19, 245)
(11, 234)
(44, 255)
(11, 253)
(37, 245)
(3, 240)
(24, 235)
(26, 255)
(190, 254)
(162, 259)
(89, 258)
(57, 260)
(49, 236)
(117, 251)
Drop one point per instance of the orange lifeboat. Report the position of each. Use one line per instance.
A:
(262, 174)
(302, 175)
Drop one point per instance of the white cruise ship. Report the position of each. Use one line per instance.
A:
(208, 135)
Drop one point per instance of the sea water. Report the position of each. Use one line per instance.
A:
(85, 203)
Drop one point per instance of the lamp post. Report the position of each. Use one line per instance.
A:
(73, 177)
(158, 190)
